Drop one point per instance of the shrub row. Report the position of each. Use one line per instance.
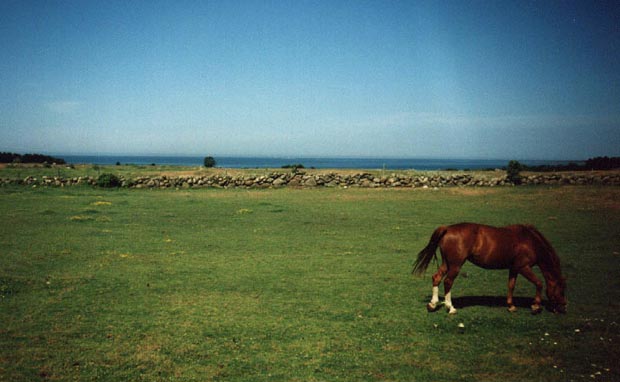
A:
(6, 157)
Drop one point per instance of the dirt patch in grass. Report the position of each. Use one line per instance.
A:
(472, 191)
(585, 198)
(523, 360)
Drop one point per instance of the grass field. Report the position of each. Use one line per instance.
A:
(294, 285)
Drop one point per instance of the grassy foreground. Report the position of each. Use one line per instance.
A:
(294, 285)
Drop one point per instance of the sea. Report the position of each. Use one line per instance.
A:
(307, 162)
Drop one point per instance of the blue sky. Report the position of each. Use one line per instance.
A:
(449, 79)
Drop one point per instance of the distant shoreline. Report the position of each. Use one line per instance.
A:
(308, 162)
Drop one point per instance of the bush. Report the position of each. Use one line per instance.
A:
(294, 167)
(603, 163)
(513, 172)
(108, 181)
(209, 162)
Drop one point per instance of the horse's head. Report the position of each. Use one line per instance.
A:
(555, 293)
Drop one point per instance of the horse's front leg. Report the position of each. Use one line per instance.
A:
(512, 281)
(531, 276)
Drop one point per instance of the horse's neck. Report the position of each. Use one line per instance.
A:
(549, 275)
(549, 268)
(548, 260)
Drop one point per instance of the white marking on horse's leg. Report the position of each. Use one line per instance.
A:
(448, 299)
(435, 298)
(449, 306)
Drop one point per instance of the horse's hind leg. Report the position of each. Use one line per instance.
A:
(512, 280)
(437, 277)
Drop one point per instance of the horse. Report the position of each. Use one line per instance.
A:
(517, 248)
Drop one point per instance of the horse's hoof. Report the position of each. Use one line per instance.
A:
(431, 308)
(451, 310)
(512, 308)
(536, 309)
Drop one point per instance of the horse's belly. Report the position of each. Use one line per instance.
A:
(490, 262)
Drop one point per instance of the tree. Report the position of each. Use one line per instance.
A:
(209, 162)
(513, 171)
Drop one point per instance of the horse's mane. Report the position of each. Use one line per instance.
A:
(550, 260)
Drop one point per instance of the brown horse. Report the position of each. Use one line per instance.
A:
(516, 247)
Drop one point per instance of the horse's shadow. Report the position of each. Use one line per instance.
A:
(493, 302)
(490, 301)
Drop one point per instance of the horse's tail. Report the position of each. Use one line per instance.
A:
(429, 252)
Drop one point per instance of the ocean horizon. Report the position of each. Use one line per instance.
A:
(307, 162)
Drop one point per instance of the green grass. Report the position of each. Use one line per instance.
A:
(20, 171)
(293, 285)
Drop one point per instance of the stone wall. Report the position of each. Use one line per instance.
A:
(366, 180)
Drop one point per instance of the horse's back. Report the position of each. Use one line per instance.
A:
(488, 246)
(458, 241)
